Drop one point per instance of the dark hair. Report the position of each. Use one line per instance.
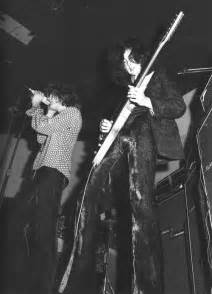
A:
(66, 93)
(115, 64)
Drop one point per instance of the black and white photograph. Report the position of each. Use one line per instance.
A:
(105, 147)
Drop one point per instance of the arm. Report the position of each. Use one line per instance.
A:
(166, 100)
(36, 110)
(67, 119)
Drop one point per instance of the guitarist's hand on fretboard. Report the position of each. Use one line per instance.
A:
(136, 95)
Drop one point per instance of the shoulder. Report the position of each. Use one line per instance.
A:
(72, 111)
(74, 116)
(164, 77)
(161, 73)
(165, 73)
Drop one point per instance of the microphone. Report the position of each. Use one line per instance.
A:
(37, 92)
(194, 70)
(32, 91)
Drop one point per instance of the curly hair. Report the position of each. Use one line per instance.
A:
(66, 93)
(115, 66)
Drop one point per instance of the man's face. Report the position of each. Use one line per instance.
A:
(130, 65)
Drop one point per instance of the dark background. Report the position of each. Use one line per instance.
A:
(70, 35)
(68, 41)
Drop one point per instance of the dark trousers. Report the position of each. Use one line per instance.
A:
(40, 230)
(146, 253)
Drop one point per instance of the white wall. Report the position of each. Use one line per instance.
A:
(183, 125)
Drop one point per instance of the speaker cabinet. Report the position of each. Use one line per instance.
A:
(183, 268)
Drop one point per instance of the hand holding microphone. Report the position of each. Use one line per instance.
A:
(38, 97)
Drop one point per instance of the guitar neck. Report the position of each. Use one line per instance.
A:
(167, 36)
(150, 63)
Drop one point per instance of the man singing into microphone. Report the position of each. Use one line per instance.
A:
(57, 132)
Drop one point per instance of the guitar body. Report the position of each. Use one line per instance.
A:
(119, 123)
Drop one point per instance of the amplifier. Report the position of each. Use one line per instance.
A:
(178, 218)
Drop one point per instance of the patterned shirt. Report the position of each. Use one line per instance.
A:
(57, 136)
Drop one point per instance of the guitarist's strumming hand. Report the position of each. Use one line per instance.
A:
(136, 95)
(105, 125)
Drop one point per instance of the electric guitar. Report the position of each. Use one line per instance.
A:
(143, 81)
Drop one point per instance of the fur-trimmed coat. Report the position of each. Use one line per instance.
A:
(167, 105)
(126, 175)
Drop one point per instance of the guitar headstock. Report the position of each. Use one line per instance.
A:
(172, 28)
